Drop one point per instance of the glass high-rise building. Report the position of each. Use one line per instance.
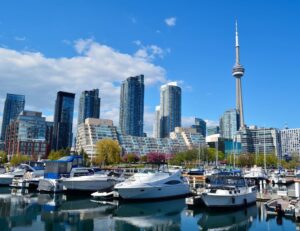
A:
(200, 126)
(170, 108)
(14, 105)
(27, 135)
(132, 106)
(63, 120)
(89, 105)
(229, 124)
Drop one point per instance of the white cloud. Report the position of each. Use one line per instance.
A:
(211, 123)
(96, 66)
(170, 21)
(150, 52)
(187, 121)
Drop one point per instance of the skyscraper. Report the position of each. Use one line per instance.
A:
(132, 106)
(63, 120)
(89, 105)
(200, 126)
(238, 72)
(170, 108)
(14, 105)
(156, 127)
(229, 124)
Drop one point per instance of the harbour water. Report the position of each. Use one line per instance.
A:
(21, 211)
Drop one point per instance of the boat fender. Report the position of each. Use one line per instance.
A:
(233, 200)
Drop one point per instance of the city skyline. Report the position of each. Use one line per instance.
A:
(194, 48)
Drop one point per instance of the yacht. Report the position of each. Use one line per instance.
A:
(6, 179)
(256, 173)
(54, 172)
(229, 191)
(86, 179)
(153, 185)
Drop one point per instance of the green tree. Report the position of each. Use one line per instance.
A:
(244, 160)
(3, 157)
(18, 159)
(85, 157)
(55, 155)
(107, 152)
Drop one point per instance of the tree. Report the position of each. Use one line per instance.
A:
(131, 158)
(55, 155)
(18, 159)
(3, 157)
(107, 152)
(85, 157)
(156, 158)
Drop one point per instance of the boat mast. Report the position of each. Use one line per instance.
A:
(265, 164)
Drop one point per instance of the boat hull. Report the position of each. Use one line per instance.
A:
(87, 185)
(6, 180)
(50, 185)
(139, 193)
(228, 201)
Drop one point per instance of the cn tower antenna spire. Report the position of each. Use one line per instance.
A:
(238, 72)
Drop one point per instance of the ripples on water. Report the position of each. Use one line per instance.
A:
(32, 211)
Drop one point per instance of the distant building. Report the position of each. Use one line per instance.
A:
(170, 108)
(229, 124)
(200, 126)
(212, 130)
(227, 146)
(13, 106)
(89, 105)
(94, 130)
(63, 120)
(29, 134)
(2, 145)
(189, 137)
(259, 140)
(156, 127)
(290, 141)
(131, 118)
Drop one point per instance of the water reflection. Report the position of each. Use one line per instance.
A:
(163, 215)
(17, 209)
(224, 220)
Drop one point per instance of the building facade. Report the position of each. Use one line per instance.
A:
(156, 126)
(229, 124)
(200, 126)
(29, 134)
(13, 106)
(89, 105)
(170, 108)
(94, 130)
(259, 140)
(290, 141)
(131, 120)
(212, 130)
(63, 120)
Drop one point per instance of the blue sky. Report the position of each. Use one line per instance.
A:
(46, 46)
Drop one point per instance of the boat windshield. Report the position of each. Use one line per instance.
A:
(240, 182)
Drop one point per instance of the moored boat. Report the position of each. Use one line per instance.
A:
(153, 185)
(228, 192)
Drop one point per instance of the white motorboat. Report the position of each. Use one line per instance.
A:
(256, 173)
(228, 192)
(7, 178)
(85, 179)
(153, 185)
(55, 170)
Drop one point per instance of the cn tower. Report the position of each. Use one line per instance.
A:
(238, 72)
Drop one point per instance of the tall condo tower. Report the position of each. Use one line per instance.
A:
(63, 120)
(89, 105)
(14, 105)
(131, 119)
(170, 108)
(238, 72)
